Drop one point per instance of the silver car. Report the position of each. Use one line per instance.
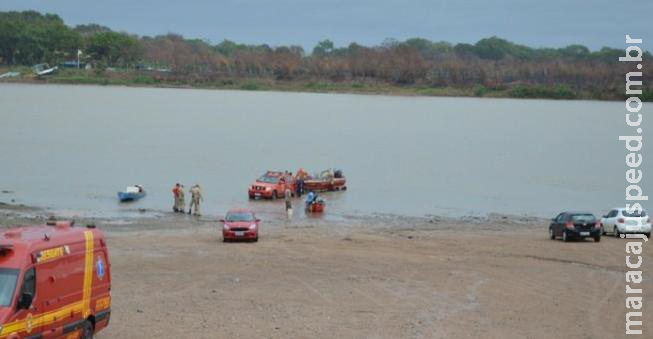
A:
(619, 221)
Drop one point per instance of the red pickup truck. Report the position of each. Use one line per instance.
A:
(271, 185)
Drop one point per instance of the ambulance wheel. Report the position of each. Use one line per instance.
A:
(87, 330)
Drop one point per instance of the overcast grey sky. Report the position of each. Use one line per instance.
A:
(550, 23)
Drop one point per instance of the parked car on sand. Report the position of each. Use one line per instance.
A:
(575, 225)
(240, 224)
(618, 220)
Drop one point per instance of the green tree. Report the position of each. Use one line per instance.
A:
(464, 50)
(609, 55)
(9, 37)
(114, 49)
(575, 51)
(30, 37)
(90, 29)
(492, 48)
(496, 48)
(227, 47)
(324, 47)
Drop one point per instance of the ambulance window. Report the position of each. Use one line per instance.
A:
(8, 279)
(29, 283)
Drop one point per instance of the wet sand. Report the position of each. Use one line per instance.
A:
(362, 277)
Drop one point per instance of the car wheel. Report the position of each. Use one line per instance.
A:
(564, 237)
(274, 195)
(552, 236)
(597, 238)
(256, 239)
(602, 231)
(87, 330)
(648, 235)
(615, 231)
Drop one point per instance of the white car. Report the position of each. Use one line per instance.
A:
(618, 219)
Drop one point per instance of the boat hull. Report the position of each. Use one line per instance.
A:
(316, 207)
(337, 184)
(130, 196)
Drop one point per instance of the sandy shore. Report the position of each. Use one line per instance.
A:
(367, 277)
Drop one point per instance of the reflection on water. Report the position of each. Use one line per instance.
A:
(73, 147)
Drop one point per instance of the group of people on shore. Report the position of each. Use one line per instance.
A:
(299, 181)
(298, 189)
(180, 199)
(195, 191)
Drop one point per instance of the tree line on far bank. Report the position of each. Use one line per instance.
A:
(29, 37)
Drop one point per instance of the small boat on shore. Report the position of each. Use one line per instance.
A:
(316, 206)
(44, 69)
(132, 193)
(327, 181)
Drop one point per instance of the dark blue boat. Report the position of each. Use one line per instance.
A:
(132, 193)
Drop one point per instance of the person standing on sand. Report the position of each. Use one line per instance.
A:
(299, 186)
(287, 195)
(181, 206)
(175, 195)
(196, 197)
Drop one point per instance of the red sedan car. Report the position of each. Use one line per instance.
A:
(240, 224)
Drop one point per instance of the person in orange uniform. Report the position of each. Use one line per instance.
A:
(175, 195)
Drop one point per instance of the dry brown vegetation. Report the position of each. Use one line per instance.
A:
(491, 66)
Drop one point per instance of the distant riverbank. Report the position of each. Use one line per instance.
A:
(166, 80)
(491, 67)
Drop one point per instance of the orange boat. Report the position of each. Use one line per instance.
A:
(316, 207)
(327, 181)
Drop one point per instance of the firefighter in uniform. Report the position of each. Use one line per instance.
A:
(181, 200)
(196, 197)
(175, 195)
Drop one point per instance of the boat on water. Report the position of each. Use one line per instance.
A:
(326, 181)
(132, 193)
